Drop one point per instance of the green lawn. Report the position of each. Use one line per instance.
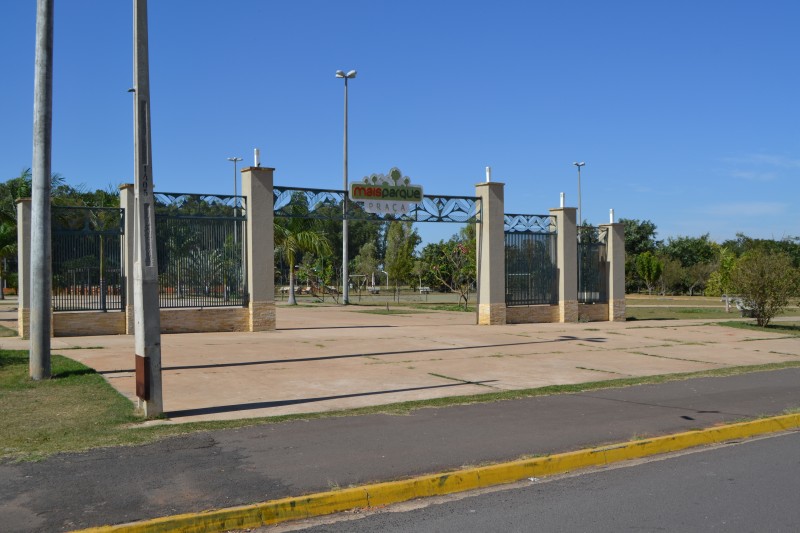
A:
(75, 409)
(788, 328)
(642, 307)
(675, 313)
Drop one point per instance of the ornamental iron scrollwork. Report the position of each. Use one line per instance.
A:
(87, 220)
(297, 202)
(187, 205)
(529, 223)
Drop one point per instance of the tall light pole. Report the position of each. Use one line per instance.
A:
(147, 323)
(580, 220)
(235, 161)
(41, 252)
(235, 200)
(345, 258)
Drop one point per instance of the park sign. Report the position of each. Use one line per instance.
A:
(381, 195)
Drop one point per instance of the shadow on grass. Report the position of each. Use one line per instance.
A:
(64, 374)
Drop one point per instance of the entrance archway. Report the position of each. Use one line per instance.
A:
(331, 206)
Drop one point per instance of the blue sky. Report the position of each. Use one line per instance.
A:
(685, 112)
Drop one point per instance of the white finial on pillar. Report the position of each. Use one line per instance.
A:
(256, 157)
(611, 215)
(488, 174)
(562, 199)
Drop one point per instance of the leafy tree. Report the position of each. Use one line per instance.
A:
(459, 276)
(366, 263)
(640, 237)
(452, 265)
(691, 250)
(719, 282)
(766, 281)
(743, 244)
(418, 271)
(672, 275)
(401, 241)
(649, 267)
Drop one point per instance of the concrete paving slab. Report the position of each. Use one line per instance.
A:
(328, 358)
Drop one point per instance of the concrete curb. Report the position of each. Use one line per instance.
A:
(380, 494)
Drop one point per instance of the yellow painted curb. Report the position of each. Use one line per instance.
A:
(378, 494)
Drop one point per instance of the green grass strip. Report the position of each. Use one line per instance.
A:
(785, 328)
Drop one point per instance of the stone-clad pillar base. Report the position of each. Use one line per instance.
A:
(616, 310)
(130, 320)
(492, 314)
(24, 323)
(262, 316)
(568, 311)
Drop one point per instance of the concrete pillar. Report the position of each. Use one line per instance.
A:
(24, 267)
(567, 252)
(615, 250)
(260, 246)
(491, 255)
(126, 203)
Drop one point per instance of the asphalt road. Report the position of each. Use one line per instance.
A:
(750, 486)
(235, 467)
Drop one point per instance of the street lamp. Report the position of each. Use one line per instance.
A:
(235, 160)
(345, 258)
(580, 220)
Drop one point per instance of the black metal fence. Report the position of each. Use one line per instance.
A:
(88, 272)
(201, 250)
(531, 260)
(592, 265)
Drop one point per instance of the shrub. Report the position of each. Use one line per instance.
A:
(765, 282)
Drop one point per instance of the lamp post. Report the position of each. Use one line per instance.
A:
(235, 160)
(345, 258)
(580, 220)
(147, 330)
(41, 248)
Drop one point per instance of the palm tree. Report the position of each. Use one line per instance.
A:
(291, 241)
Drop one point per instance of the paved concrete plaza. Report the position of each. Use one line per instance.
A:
(329, 358)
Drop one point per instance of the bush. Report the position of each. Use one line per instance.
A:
(765, 282)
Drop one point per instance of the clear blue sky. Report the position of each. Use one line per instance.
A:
(685, 112)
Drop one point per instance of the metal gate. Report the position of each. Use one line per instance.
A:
(201, 254)
(88, 272)
(531, 260)
(592, 265)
